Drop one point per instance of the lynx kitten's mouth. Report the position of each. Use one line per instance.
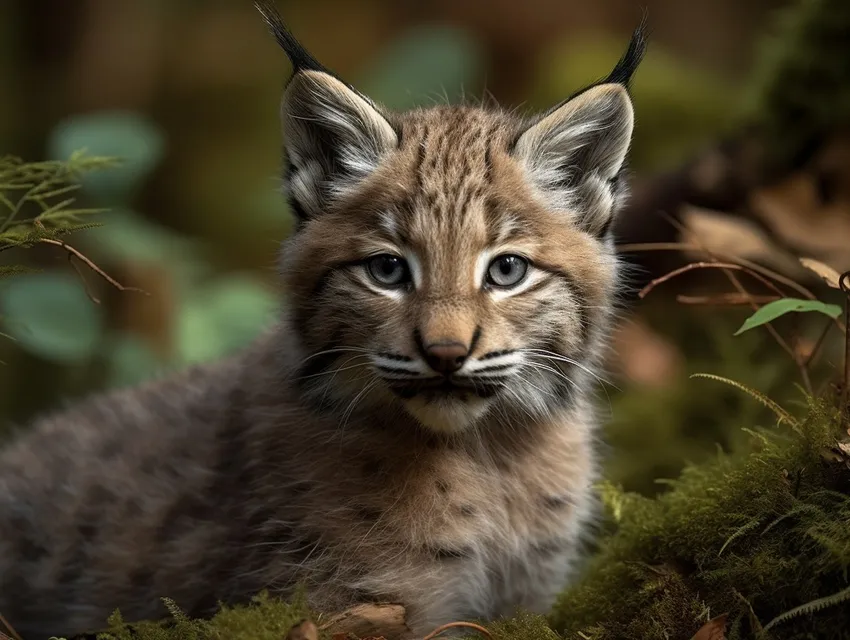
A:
(458, 388)
(447, 409)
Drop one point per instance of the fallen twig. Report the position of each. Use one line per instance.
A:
(9, 628)
(454, 625)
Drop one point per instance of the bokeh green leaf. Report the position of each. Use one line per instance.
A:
(222, 316)
(426, 64)
(131, 137)
(50, 315)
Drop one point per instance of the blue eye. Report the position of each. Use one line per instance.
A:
(507, 271)
(388, 270)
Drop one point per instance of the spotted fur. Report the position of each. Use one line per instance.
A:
(429, 442)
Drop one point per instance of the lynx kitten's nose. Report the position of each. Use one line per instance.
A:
(446, 357)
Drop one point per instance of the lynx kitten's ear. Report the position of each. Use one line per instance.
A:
(334, 136)
(574, 154)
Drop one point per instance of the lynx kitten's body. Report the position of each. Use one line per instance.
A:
(416, 428)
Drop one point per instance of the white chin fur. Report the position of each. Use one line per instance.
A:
(447, 415)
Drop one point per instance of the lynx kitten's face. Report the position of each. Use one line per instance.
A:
(452, 262)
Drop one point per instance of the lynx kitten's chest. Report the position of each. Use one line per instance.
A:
(469, 532)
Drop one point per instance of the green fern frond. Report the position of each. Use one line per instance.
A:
(793, 513)
(741, 531)
(810, 607)
(175, 611)
(7, 271)
(37, 201)
(780, 413)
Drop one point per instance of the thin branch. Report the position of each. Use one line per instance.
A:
(9, 628)
(91, 265)
(82, 277)
(818, 344)
(700, 265)
(684, 246)
(733, 299)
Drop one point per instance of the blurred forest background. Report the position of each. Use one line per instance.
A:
(186, 92)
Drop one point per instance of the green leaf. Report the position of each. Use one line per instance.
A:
(778, 308)
(129, 360)
(223, 316)
(135, 140)
(424, 65)
(50, 315)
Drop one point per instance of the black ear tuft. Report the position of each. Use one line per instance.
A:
(301, 59)
(628, 64)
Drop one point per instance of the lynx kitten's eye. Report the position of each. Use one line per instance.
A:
(507, 271)
(388, 270)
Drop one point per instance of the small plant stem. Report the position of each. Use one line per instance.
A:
(455, 625)
(818, 344)
(704, 265)
(731, 299)
(91, 265)
(844, 285)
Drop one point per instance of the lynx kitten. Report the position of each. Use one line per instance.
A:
(416, 428)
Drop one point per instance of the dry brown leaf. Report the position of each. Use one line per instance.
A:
(827, 273)
(304, 630)
(714, 629)
(644, 356)
(370, 620)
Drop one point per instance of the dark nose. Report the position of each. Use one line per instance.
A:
(446, 357)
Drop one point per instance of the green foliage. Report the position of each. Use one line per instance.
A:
(50, 315)
(763, 535)
(126, 135)
(264, 618)
(46, 313)
(222, 316)
(524, 626)
(37, 198)
(779, 308)
(427, 64)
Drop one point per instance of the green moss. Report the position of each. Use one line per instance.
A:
(754, 535)
(264, 618)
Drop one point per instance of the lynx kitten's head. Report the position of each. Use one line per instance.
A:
(453, 262)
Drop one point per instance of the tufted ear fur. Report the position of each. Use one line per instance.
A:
(333, 135)
(574, 154)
